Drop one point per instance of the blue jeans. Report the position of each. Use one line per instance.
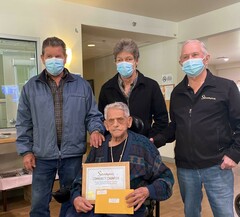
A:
(218, 184)
(71, 212)
(43, 180)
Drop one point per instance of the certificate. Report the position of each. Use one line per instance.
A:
(112, 175)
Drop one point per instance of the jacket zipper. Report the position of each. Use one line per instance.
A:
(189, 133)
(59, 155)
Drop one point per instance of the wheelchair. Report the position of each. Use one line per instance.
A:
(237, 204)
(63, 194)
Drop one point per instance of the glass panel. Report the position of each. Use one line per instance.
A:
(18, 63)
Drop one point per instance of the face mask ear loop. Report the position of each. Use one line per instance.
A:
(205, 65)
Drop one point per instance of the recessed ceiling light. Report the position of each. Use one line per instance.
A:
(91, 45)
(225, 59)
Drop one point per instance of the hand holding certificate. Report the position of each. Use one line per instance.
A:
(96, 176)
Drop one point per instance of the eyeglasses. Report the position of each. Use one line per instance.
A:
(120, 120)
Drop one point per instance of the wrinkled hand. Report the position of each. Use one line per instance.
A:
(82, 205)
(137, 198)
(96, 139)
(29, 161)
(227, 163)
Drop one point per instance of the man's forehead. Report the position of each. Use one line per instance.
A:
(191, 47)
(115, 113)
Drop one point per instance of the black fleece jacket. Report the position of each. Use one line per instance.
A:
(206, 125)
(146, 102)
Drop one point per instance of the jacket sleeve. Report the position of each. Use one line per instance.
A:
(234, 117)
(94, 118)
(166, 136)
(159, 111)
(161, 182)
(24, 125)
(76, 188)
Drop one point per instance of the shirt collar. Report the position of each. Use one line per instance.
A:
(121, 84)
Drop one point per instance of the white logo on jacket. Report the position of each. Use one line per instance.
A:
(208, 98)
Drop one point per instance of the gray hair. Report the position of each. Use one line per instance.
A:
(117, 105)
(54, 42)
(203, 47)
(127, 45)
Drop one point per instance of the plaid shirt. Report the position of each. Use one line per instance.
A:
(57, 93)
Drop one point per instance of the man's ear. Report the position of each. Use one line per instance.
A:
(207, 58)
(65, 59)
(42, 58)
(129, 121)
(105, 124)
(180, 62)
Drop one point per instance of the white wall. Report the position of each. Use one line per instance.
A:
(158, 59)
(101, 70)
(218, 21)
(230, 71)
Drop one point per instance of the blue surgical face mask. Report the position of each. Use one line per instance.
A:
(54, 66)
(125, 69)
(193, 67)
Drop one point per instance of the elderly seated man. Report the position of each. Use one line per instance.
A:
(149, 176)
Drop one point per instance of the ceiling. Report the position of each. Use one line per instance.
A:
(227, 44)
(105, 39)
(172, 10)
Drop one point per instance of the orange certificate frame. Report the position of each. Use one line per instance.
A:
(96, 176)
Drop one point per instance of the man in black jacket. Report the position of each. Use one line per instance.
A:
(205, 121)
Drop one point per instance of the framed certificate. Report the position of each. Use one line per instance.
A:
(112, 175)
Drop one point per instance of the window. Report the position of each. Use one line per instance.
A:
(18, 63)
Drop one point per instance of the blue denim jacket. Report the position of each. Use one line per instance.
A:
(36, 130)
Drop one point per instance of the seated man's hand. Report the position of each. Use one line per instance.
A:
(137, 198)
(96, 139)
(82, 205)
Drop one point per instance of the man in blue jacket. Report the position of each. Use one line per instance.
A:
(55, 110)
(205, 121)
